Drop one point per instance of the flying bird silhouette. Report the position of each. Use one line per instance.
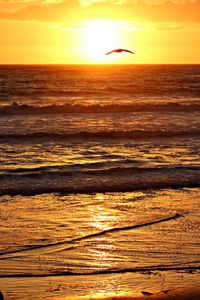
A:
(119, 51)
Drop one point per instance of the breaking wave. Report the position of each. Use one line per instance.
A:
(17, 109)
(110, 134)
(66, 179)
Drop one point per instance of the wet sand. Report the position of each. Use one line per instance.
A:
(179, 294)
(166, 285)
(176, 294)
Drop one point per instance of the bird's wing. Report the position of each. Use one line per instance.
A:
(110, 52)
(128, 51)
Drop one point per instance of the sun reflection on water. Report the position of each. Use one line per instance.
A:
(102, 216)
(102, 250)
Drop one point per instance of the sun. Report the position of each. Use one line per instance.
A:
(99, 37)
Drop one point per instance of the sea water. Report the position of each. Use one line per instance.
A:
(99, 172)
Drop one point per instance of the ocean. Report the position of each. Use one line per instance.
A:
(99, 179)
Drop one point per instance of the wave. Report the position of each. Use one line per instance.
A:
(110, 134)
(17, 109)
(95, 168)
(87, 181)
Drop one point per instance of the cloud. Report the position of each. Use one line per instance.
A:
(76, 10)
(130, 26)
(173, 26)
(30, 2)
(69, 26)
(160, 26)
(19, 3)
(15, 5)
(170, 26)
(149, 2)
(59, 11)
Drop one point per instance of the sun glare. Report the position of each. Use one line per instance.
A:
(101, 36)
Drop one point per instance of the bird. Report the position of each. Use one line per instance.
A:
(119, 51)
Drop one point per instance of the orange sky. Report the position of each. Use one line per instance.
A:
(60, 31)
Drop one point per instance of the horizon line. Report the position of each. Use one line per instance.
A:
(93, 64)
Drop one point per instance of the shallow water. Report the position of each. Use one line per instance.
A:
(74, 233)
(156, 232)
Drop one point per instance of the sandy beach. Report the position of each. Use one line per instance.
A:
(179, 294)
(175, 294)
(169, 285)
